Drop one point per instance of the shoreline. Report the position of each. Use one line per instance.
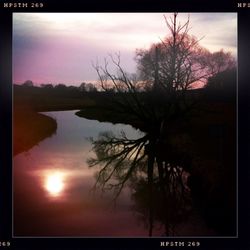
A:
(29, 128)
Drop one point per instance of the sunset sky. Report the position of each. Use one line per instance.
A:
(60, 47)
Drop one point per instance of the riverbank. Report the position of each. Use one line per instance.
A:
(104, 114)
(29, 128)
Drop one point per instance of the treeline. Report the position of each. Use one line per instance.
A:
(60, 89)
(222, 86)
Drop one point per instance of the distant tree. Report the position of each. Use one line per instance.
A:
(28, 83)
(47, 86)
(90, 87)
(61, 86)
(82, 87)
(221, 61)
(72, 88)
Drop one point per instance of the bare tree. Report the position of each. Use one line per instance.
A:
(127, 87)
(178, 61)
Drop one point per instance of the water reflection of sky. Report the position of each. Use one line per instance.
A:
(53, 183)
(53, 188)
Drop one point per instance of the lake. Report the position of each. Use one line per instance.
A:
(53, 188)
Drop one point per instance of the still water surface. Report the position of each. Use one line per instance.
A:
(53, 184)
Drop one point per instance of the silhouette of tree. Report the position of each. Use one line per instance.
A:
(221, 61)
(128, 98)
(28, 83)
(178, 61)
(90, 87)
(47, 86)
(60, 86)
(223, 81)
(82, 87)
(158, 95)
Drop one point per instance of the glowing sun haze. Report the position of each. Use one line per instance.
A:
(54, 183)
(60, 47)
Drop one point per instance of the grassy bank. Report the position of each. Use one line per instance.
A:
(29, 128)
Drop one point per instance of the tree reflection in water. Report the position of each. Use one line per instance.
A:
(158, 182)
